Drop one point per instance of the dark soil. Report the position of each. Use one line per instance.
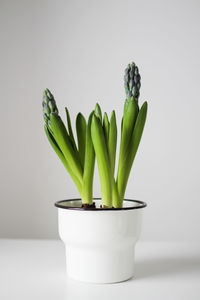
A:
(90, 206)
(85, 205)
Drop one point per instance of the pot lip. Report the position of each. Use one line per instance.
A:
(60, 205)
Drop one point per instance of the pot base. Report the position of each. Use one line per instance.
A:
(100, 265)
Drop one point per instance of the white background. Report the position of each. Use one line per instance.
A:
(79, 50)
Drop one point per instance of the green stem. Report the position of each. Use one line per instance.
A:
(116, 201)
(88, 174)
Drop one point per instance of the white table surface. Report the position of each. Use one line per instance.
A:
(35, 269)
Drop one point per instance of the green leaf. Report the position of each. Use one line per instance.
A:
(70, 129)
(127, 127)
(101, 152)
(129, 117)
(112, 141)
(128, 158)
(81, 136)
(106, 126)
(62, 158)
(63, 140)
(98, 112)
(87, 191)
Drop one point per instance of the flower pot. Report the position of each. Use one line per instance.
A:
(99, 243)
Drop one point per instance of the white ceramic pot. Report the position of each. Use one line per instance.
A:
(99, 243)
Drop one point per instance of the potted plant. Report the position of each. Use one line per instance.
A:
(99, 234)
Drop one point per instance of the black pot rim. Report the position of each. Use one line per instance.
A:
(60, 205)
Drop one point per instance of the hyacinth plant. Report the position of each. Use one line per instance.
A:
(97, 137)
